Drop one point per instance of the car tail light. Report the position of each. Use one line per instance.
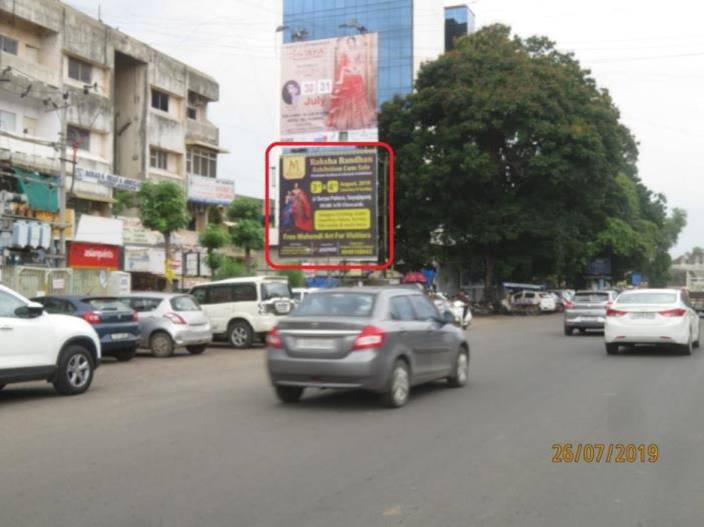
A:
(369, 337)
(568, 304)
(273, 339)
(175, 318)
(135, 317)
(610, 312)
(91, 317)
(677, 312)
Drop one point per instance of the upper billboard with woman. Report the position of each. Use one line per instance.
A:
(329, 86)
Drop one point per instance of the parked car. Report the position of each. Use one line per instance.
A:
(240, 309)
(652, 316)
(114, 322)
(587, 310)
(385, 340)
(168, 321)
(563, 298)
(38, 346)
(533, 302)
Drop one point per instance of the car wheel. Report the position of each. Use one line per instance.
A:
(582, 331)
(687, 349)
(289, 394)
(125, 355)
(161, 344)
(611, 348)
(196, 350)
(399, 385)
(568, 331)
(240, 334)
(75, 371)
(461, 371)
(695, 344)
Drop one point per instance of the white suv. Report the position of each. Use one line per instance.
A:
(242, 308)
(36, 346)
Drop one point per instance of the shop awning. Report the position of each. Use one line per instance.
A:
(210, 146)
(91, 197)
(41, 191)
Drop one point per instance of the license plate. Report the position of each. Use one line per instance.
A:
(120, 336)
(318, 344)
(282, 307)
(643, 316)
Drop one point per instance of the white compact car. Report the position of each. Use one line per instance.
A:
(37, 346)
(240, 309)
(652, 316)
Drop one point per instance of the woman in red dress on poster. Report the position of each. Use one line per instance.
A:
(349, 107)
(302, 210)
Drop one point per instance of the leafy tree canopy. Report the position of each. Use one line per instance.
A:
(509, 151)
(163, 206)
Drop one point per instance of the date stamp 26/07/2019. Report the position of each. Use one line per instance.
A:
(605, 453)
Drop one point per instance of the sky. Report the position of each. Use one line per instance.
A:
(650, 59)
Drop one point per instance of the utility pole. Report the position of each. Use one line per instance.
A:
(63, 139)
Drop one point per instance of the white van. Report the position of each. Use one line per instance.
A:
(241, 308)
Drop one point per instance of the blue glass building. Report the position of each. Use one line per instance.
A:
(391, 19)
(459, 21)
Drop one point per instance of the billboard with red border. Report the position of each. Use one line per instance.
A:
(343, 266)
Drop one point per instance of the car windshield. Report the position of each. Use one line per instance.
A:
(275, 290)
(655, 298)
(106, 304)
(591, 297)
(336, 304)
(184, 303)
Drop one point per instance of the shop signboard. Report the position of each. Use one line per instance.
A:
(211, 191)
(107, 180)
(93, 256)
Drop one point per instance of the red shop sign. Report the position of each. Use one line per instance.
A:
(93, 256)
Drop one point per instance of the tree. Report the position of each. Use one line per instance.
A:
(212, 238)
(124, 200)
(230, 268)
(163, 208)
(295, 278)
(248, 231)
(508, 150)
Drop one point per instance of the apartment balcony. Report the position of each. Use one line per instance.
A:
(25, 69)
(202, 133)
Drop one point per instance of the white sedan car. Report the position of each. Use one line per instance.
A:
(652, 316)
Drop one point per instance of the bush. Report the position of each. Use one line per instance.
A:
(295, 278)
(230, 268)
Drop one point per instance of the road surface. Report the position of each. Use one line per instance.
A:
(201, 441)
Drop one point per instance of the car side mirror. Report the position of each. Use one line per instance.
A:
(31, 310)
(448, 317)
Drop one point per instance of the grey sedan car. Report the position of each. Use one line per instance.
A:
(168, 321)
(587, 310)
(385, 340)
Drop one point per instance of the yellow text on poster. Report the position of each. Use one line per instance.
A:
(342, 220)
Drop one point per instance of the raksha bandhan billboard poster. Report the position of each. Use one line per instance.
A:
(328, 206)
(329, 86)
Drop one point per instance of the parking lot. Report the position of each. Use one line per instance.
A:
(201, 440)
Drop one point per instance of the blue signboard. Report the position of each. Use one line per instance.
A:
(636, 279)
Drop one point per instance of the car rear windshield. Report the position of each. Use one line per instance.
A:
(591, 297)
(106, 304)
(647, 298)
(336, 304)
(275, 290)
(184, 303)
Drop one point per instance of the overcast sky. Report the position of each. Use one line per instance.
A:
(651, 60)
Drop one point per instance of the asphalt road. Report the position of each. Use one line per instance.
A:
(201, 441)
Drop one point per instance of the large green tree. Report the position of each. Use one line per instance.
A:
(248, 230)
(214, 237)
(163, 208)
(507, 150)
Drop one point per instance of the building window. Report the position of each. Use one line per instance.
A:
(80, 71)
(192, 112)
(160, 100)
(8, 45)
(159, 159)
(78, 137)
(456, 19)
(202, 162)
(8, 121)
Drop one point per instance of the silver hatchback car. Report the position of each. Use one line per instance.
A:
(380, 339)
(168, 321)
